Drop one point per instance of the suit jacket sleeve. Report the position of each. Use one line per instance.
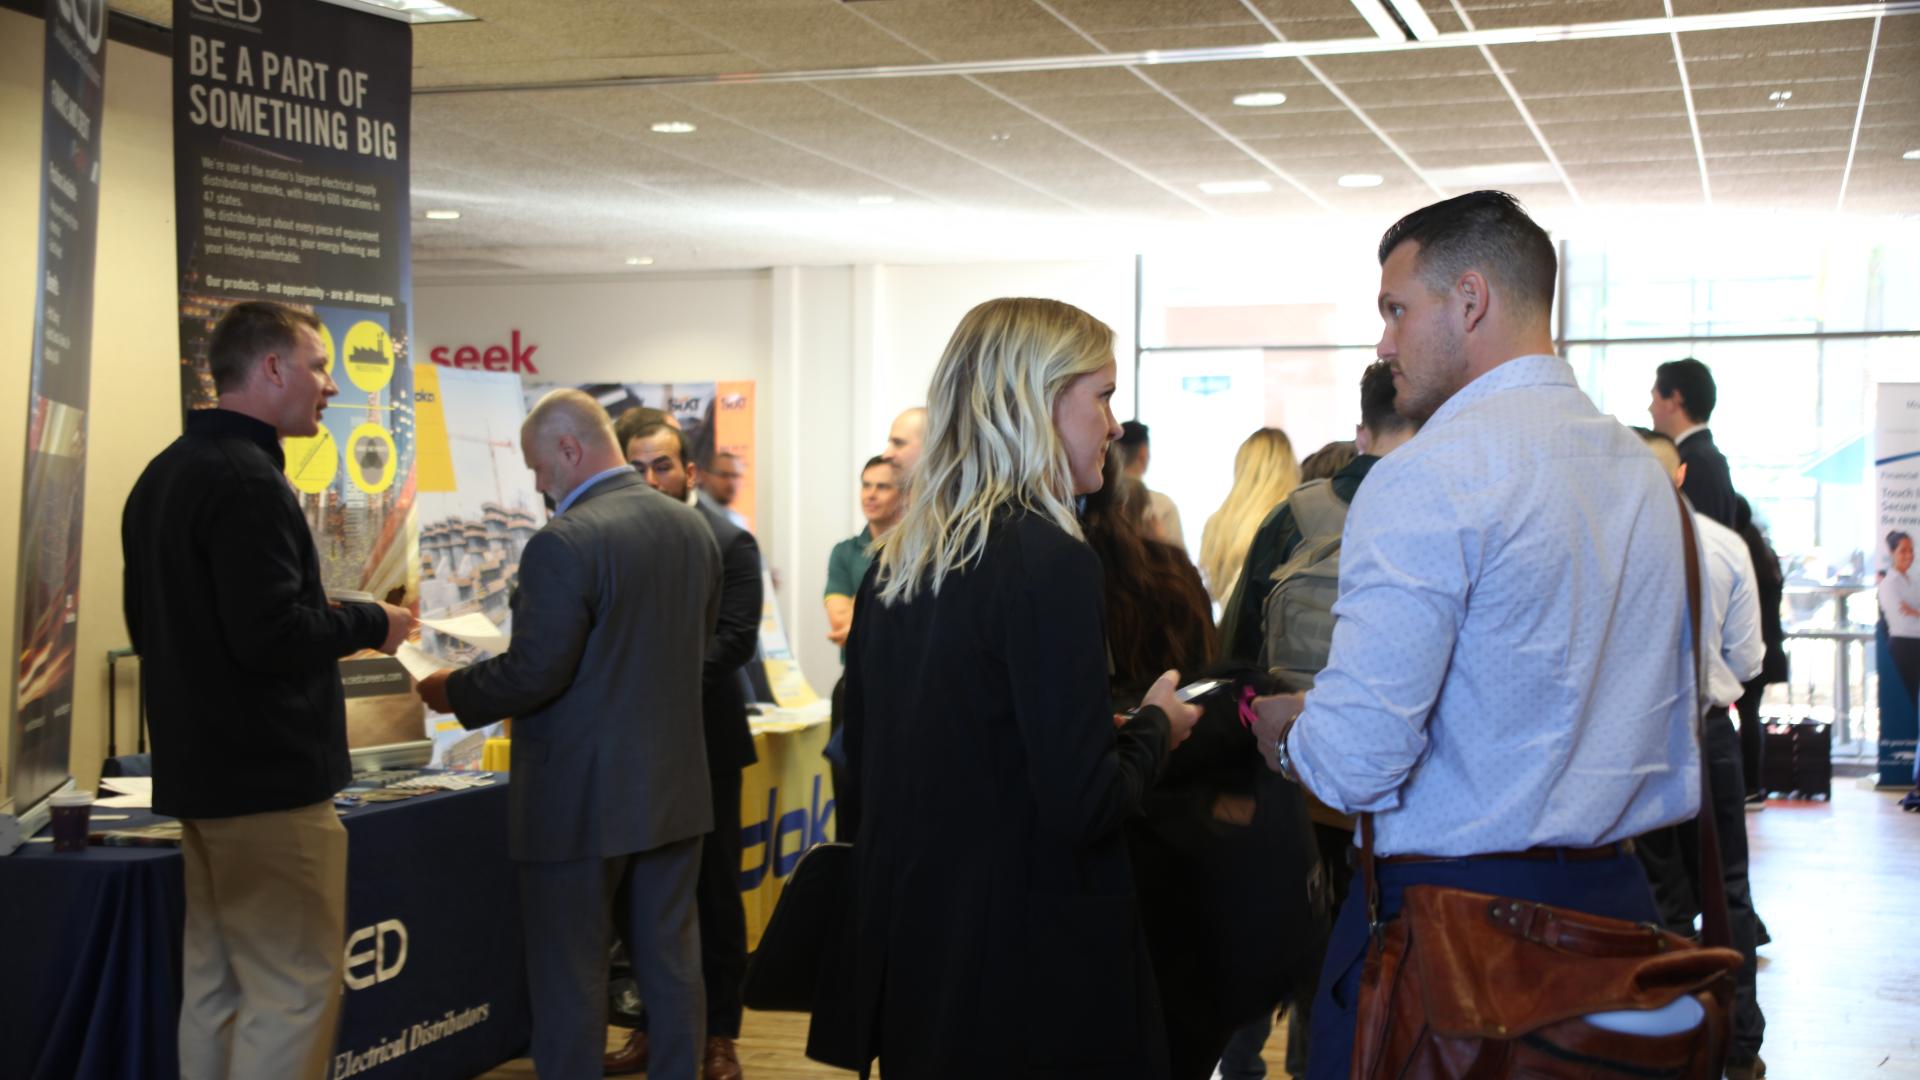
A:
(259, 569)
(1083, 779)
(552, 615)
(737, 632)
(1709, 484)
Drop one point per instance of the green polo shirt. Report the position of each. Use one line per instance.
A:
(847, 567)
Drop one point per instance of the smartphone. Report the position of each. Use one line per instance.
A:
(1200, 689)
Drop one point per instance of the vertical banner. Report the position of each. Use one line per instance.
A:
(715, 415)
(52, 495)
(290, 178)
(1896, 471)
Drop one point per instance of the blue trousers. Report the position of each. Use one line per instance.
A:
(1614, 887)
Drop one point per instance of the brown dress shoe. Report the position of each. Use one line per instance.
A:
(722, 1062)
(631, 1058)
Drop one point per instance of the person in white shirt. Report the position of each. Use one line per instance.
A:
(1510, 690)
(1731, 652)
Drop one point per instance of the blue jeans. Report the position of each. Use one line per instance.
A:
(1615, 887)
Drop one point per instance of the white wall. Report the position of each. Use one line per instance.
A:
(835, 352)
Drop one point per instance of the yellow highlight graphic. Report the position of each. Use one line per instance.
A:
(432, 453)
(312, 461)
(369, 356)
(372, 458)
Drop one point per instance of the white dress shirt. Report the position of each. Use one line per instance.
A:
(1511, 664)
(1731, 650)
(1896, 589)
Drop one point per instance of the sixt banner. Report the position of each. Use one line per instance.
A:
(290, 181)
(54, 490)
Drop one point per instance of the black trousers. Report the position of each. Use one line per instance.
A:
(1753, 736)
(1671, 858)
(723, 915)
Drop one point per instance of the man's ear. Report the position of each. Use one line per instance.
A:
(1471, 292)
(1680, 475)
(272, 367)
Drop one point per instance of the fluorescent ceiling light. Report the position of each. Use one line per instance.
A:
(1497, 174)
(1361, 179)
(443, 215)
(1235, 187)
(1263, 99)
(875, 200)
(1416, 19)
(674, 127)
(1381, 20)
(409, 11)
(640, 260)
(1911, 155)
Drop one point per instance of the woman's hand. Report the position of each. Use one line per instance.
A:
(1180, 715)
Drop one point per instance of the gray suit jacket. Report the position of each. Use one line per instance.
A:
(616, 603)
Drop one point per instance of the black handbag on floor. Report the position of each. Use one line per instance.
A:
(784, 972)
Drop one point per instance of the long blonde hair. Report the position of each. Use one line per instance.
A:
(1264, 472)
(991, 443)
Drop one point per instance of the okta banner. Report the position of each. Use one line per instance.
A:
(1896, 472)
(290, 178)
(54, 489)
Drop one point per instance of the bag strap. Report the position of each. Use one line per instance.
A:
(1714, 930)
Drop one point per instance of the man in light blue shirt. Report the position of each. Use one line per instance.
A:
(1510, 689)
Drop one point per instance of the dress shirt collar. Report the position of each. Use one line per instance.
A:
(1538, 369)
(1688, 434)
(574, 495)
(227, 424)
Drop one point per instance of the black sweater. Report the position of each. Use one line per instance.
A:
(239, 649)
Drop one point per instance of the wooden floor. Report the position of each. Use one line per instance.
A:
(1839, 888)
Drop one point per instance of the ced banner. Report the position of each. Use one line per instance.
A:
(290, 180)
(1896, 471)
(53, 492)
(786, 807)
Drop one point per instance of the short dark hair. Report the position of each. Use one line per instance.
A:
(248, 331)
(1376, 401)
(1133, 438)
(1693, 381)
(877, 460)
(626, 426)
(648, 431)
(1484, 230)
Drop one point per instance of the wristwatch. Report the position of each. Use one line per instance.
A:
(1281, 758)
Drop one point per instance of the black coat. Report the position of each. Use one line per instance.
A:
(996, 932)
(1709, 485)
(736, 638)
(239, 649)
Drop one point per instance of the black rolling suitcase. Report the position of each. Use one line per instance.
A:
(1799, 760)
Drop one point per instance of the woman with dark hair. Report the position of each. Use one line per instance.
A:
(1223, 857)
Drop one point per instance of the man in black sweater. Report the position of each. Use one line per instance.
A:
(239, 653)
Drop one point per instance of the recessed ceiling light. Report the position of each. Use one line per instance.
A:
(674, 127)
(1911, 155)
(1361, 179)
(640, 260)
(1235, 187)
(1780, 98)
(443, 215)
(1000, 136)
(875, 200)
(1264, 99)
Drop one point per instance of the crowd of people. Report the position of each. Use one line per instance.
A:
(1453, 651)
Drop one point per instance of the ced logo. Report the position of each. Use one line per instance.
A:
(247, 11)
(375, 953)
(89, 17)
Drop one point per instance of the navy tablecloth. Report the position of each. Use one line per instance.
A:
(90, 986)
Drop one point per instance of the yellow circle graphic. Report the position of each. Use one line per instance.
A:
(326, 342)
(371, 457)
(369, 356)
(312, 461)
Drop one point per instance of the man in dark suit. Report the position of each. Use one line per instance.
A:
(663, 455)
(617, 599)
(1683, 400)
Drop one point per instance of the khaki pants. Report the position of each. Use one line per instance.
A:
(265, 944)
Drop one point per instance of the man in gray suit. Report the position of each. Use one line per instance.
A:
(617, 599)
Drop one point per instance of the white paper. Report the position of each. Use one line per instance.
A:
(128, 785)
(473, 628)
(418, 661)
(138, 802)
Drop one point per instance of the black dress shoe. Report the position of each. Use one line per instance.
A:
(631, 1058)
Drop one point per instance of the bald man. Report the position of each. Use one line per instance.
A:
(904, 439)
(618, 597)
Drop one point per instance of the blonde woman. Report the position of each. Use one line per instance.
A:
(994, 925)
(1264, 472)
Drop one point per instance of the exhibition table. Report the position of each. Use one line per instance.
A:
(435, 975)
(786, 806)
